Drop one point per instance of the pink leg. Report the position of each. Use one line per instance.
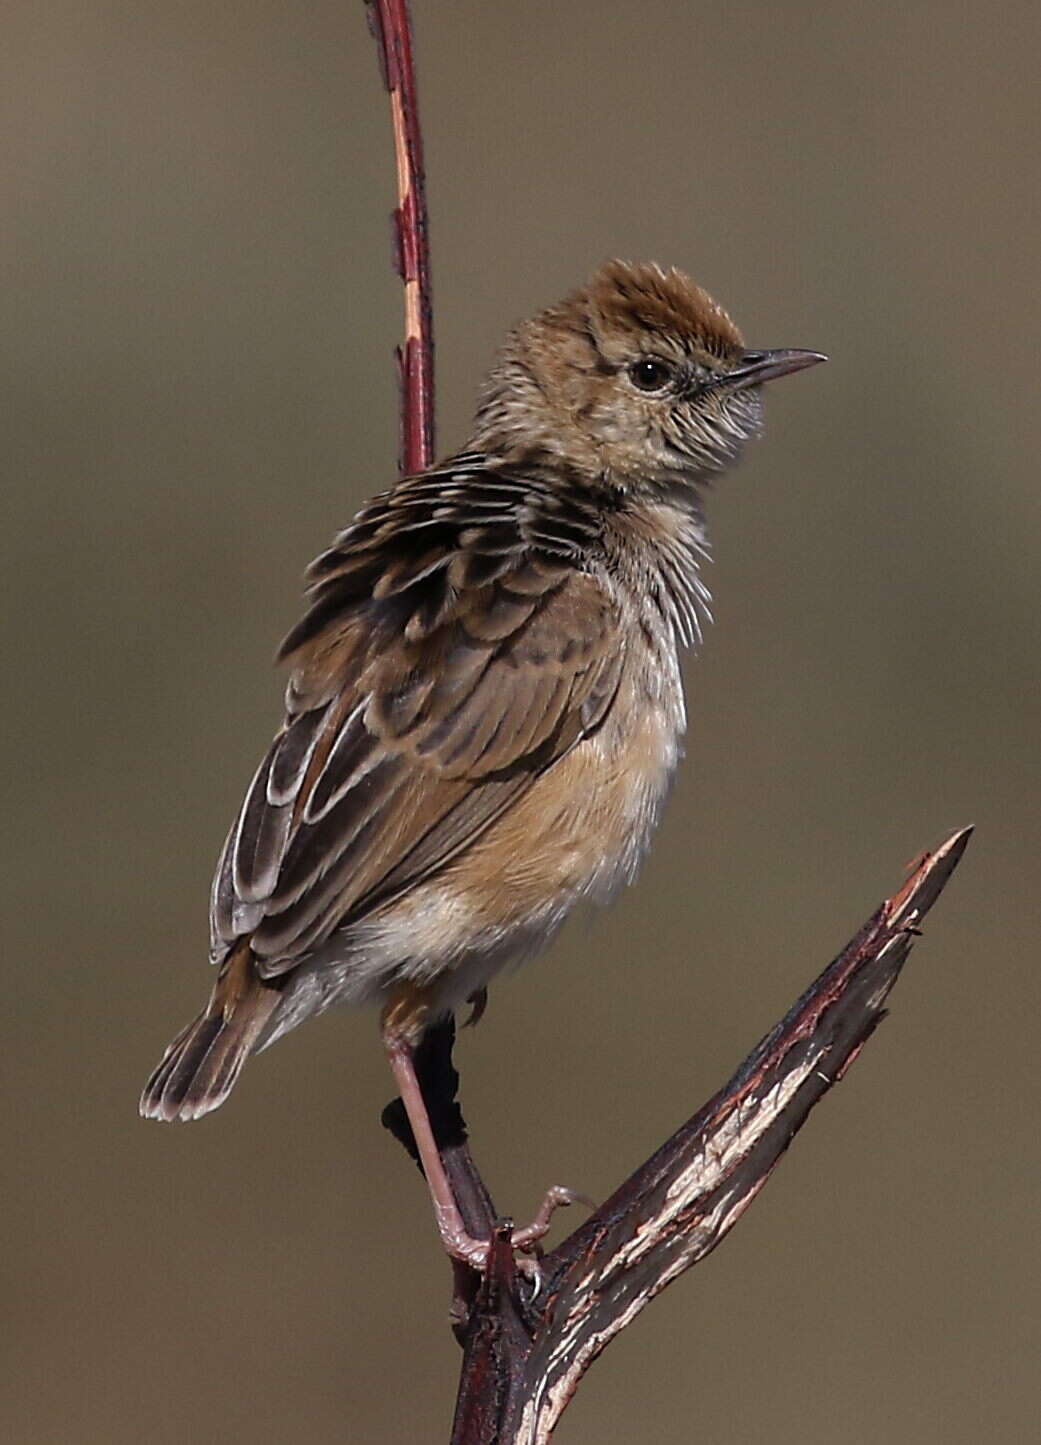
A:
(402, 1022)
(457, 1242)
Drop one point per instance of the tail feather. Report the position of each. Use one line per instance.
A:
(199, 1069)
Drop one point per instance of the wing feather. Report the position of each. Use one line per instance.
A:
(260, 841)
(459, 642)
(294, 749)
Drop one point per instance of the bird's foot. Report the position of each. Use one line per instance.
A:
(460, 1245)
(556, 1198)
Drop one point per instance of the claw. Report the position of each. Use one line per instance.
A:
(531, 1267)
(478, 1002)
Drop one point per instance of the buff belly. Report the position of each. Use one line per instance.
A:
(578, 834)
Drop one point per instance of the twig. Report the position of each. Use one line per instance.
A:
(391, 27)
(390, 24)
(525, 1350)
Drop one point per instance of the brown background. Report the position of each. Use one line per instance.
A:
(197, 314)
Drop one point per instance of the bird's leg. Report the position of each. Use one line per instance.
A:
(401, 1023)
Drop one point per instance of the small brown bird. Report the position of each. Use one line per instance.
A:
(485, 705)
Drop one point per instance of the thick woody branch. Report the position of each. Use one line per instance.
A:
(525, 1349)
(678, 1206)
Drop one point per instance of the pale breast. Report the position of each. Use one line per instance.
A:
(579, 833)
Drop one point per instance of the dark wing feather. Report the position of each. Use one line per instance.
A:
(454, 649)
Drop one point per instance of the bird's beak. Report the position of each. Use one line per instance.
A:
(757, 366)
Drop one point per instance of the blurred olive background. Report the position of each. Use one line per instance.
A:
(198, 314)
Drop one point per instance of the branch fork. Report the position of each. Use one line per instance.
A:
(527, 1344)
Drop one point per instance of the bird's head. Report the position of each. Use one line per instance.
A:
(638, 379)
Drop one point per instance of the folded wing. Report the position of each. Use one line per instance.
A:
(457, 645)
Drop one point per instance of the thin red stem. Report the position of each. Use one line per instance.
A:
(391, 25)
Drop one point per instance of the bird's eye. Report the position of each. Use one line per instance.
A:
(650, 375)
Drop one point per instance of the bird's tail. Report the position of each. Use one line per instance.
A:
(199, 1069)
